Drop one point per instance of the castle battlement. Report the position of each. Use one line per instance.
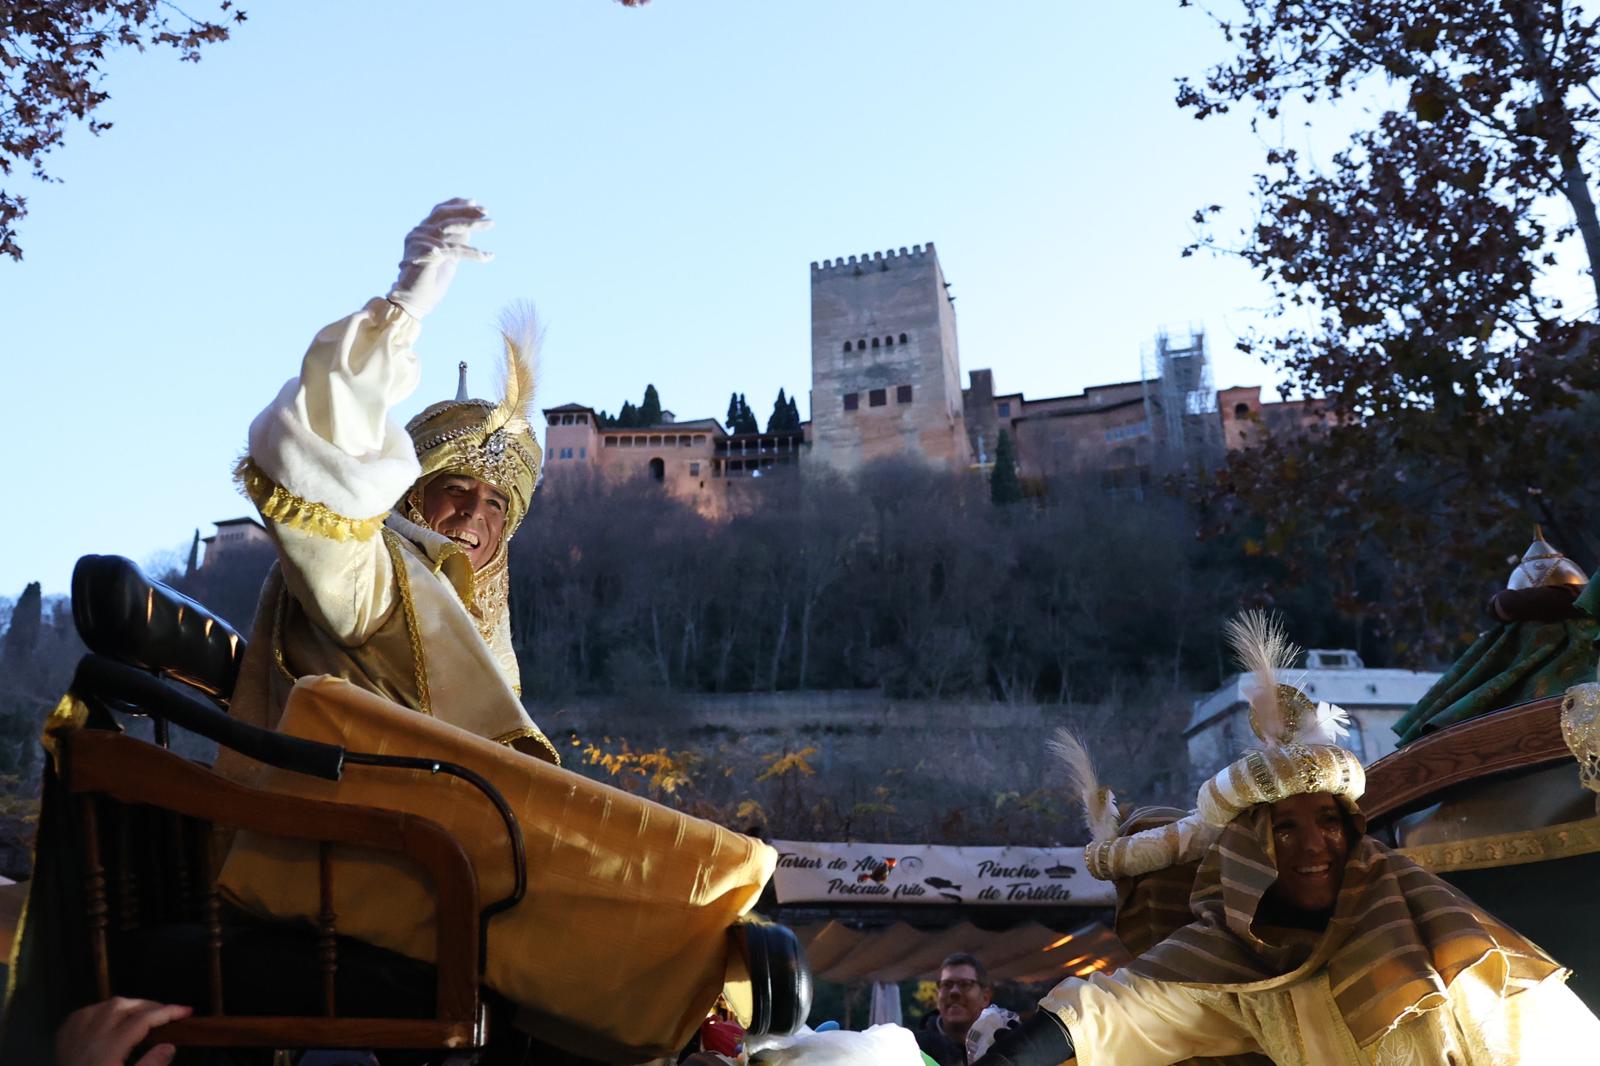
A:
(881, 260)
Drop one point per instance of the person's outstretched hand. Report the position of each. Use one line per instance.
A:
(103, 1034)
(432, 251)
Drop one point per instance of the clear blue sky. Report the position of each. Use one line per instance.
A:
(661, 179)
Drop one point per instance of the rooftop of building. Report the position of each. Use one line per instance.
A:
(1352, 686)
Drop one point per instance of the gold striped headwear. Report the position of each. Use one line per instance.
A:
(1299, 753)
(1299, 750)
(492, 442)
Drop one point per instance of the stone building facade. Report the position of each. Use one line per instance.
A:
(886, 383)
(885, 364)
(697, 462)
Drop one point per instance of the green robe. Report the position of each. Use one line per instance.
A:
(1511, 663)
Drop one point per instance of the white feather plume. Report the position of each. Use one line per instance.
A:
(519, 328)
(1264, 651)
(1330, 725)
(1099, 804)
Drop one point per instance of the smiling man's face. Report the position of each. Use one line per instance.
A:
(1312, 841)
(469, 512)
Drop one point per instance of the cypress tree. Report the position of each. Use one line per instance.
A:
(628, 417)
(794, 414)
(1004, 488)
(26, 619)
(650, 409)
(778, 420)
(732, 422)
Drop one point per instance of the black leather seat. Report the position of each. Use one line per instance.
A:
(124, 615)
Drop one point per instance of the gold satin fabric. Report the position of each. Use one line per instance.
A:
(620, 946)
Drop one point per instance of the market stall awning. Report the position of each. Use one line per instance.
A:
(1028, 953)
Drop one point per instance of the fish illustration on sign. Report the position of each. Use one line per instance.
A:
(939, 882)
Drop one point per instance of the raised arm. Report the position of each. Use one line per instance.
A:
(326, 460)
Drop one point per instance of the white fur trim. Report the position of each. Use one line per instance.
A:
(328, 437)
(310, 466)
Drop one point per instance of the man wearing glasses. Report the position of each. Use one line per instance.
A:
(963, 993)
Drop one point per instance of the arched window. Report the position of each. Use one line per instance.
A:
(1241, 410)
(861, 345)
(658, 468)
(847, 346)
(888, 342)
(874, 342)
(902, 338)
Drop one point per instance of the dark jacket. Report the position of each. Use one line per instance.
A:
(939, 1047)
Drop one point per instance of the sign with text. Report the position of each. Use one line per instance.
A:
(872, 874)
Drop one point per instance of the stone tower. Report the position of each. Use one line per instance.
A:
(885, 371)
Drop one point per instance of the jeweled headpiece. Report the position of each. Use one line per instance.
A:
(492, 442)
(1543, 564)
(1299, 753)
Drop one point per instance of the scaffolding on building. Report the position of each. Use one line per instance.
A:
(1179, 401)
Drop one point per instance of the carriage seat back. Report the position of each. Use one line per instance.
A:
(125, 615)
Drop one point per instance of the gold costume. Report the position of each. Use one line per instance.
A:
(361, 591)
(1406, 970)
(376, 633)
(621, 943)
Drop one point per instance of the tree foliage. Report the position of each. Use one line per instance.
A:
(650, 408)
(1004, 486)
(1435, 288)
(740, 418)
(901, 579)
(785, 416)
(647, 413)
(51, 60)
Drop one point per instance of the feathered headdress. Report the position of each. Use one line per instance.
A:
(1280, 714)
(492, 442)
(1300, 751)
(1099, 803)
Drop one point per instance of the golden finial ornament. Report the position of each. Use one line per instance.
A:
(1544, 565)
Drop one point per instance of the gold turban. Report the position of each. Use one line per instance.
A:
(494, 443)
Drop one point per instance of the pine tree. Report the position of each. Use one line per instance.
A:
(650, 409)
(604, 421)
(628, 417)
(1004, 488)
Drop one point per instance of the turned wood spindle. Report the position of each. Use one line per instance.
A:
(327, 929)
(179, 852)
(213, 923)
(95, 906)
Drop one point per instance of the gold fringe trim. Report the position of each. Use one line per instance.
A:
(279, 505)
(402, 581)
(525, 732)
(1509, 849)
(69, 716)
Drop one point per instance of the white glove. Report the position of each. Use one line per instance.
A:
(432, 251)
